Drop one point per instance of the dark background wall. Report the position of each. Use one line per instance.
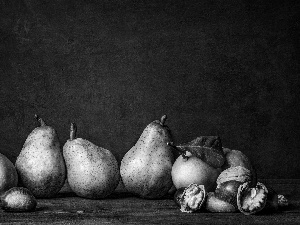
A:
(227, 68)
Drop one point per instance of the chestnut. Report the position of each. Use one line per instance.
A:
(272, 200)
(214, 204)
(18, 199)
(227, 191)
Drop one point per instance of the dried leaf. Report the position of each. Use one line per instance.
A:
(207, 148)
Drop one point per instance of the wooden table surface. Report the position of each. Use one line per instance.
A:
(123, 208)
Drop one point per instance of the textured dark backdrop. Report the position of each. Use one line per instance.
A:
(227, 68)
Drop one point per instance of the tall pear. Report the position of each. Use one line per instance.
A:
(92, 171)
(146, 167)
(40, 164)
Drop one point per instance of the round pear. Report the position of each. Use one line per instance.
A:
(92, 171)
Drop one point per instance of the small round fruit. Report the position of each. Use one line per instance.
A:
(186, 171)
(18, 199)
(8, 174)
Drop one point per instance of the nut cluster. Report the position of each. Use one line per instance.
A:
(237, 190)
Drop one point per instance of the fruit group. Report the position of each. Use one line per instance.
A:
(18, 199)
(146, 167)
(92, 171)
(40, 164)
(8, 174)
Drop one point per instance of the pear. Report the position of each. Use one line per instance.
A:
(40, 164)
(92, 171)
(8, 174)
(146, 167)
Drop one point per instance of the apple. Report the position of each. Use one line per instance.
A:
(189, 169)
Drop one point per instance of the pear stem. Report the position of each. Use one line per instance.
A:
(73, 130)
(163, 119)
(181, 152)
(40, 120)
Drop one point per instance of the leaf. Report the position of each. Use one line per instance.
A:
(207, 148)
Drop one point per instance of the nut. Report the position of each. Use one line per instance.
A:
(251, 200)
(282, 201)
(18, 199)
(214, 204)
(191, 198)
(237, 173)
(178, 196)
(227, 191)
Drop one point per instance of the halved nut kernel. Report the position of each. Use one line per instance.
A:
(192, 198)
(251, 200)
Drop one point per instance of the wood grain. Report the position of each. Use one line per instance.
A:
(124, 208)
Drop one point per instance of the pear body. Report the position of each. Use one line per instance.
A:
(40, 164)
(193, 170)
(146, 167)
(8, 174)
(92, 171)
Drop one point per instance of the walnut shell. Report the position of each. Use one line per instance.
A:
(251, 200)
(237, 173)
(191, 198)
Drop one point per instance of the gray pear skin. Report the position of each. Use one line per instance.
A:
(92, 171)
(40, 164)
(146, 167)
